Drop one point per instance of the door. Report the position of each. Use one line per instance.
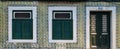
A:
(100, 30)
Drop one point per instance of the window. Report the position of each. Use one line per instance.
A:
(22, 14)
(22, 24)
(62, 14)
(62, 24)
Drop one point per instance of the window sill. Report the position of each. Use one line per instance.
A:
(22, 41)
(62, 41)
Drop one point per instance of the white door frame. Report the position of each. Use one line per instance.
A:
(113, 25)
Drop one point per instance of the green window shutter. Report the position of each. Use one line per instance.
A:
(67, 29)
(16, 31)
(57, 29)
(22, 29)
(62, 30)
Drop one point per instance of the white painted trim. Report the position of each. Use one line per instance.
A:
(73, 9)
(21, 12)
(62, 12)
(34, 14)
(113, 24)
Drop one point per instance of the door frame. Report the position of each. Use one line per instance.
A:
(113, 25)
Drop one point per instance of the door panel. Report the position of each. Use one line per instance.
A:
(100, 30)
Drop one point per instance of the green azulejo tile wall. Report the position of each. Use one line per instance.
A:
(42, 24)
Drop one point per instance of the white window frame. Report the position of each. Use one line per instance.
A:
(63, 12)
(22, 12)
(50, 11)
(113, 25)
(10, 17)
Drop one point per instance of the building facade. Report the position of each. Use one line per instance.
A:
(59, 24)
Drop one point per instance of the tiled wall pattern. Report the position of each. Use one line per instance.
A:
(42, 24)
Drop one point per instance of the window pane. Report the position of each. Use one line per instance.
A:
(62, 15)
(93, 37)
(22, 15)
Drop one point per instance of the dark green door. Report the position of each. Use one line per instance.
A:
(100, 30)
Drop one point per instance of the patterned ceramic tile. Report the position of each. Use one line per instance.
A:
(42, 25)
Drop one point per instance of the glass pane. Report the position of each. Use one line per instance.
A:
(93, 39)
(22, 15)
(104, 23)
(62, 15)
(93, 23)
